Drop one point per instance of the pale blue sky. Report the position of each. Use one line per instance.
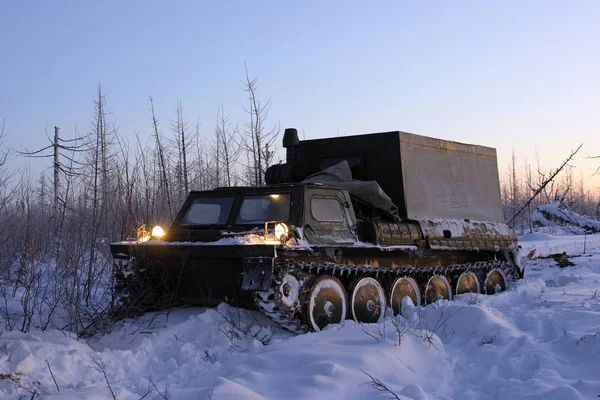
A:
(510, 74)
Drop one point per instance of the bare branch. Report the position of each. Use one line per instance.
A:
(164, 395)
(100, 366)
(27, 154)
(379, 385)
(52, 375)
(544, 184)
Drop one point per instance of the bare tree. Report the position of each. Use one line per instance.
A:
(204, 171)
(216, 153)
(225, 150)
(180, 128)
(161, 159)
(127, 180)
(57, 145)
(5, 175)
(256, 140)
(529, 185)
(514, 194)
(99, 184)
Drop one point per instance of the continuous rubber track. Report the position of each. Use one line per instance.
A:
(269, 302)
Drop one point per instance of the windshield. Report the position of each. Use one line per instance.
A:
(258, 209)
(208, 211)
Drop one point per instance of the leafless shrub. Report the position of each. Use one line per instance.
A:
(402, 327)
(379, 331)
(376, 331)
(164, 395)
(429, 333)
(101, 367)
(235, 330)
(378, 385)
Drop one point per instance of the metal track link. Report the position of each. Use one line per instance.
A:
(269, 302)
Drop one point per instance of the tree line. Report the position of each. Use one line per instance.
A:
(526, 185)
(103, 186)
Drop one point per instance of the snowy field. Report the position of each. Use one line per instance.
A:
(538, 340)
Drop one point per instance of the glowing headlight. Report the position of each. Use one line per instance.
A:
(281, 230)
(158, 232)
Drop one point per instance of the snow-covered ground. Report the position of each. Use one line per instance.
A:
(546, 244)
(538, 340)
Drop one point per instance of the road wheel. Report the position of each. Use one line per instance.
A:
(402, 287)
(495, 282)
(467, 283)
(437, 288)
(327, 303)
(368, 301)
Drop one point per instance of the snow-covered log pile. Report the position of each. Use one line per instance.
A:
(558, 213)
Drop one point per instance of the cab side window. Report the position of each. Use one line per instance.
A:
(326, 209)
(329, 219)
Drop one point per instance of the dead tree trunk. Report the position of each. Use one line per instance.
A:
(57, 146)
(182, 132)
(544, 184)
(56, 184)
(230, 152)
(161, 159)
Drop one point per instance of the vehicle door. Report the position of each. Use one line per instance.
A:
(329, 217)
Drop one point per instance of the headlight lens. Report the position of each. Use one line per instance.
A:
(158, 232)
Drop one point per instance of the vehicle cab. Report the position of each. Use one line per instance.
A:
(288, 214)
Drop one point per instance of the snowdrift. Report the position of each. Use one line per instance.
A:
(538, 340)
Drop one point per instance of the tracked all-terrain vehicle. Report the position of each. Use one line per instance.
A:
(346, 228)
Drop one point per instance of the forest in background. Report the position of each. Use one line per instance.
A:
(103, 185)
